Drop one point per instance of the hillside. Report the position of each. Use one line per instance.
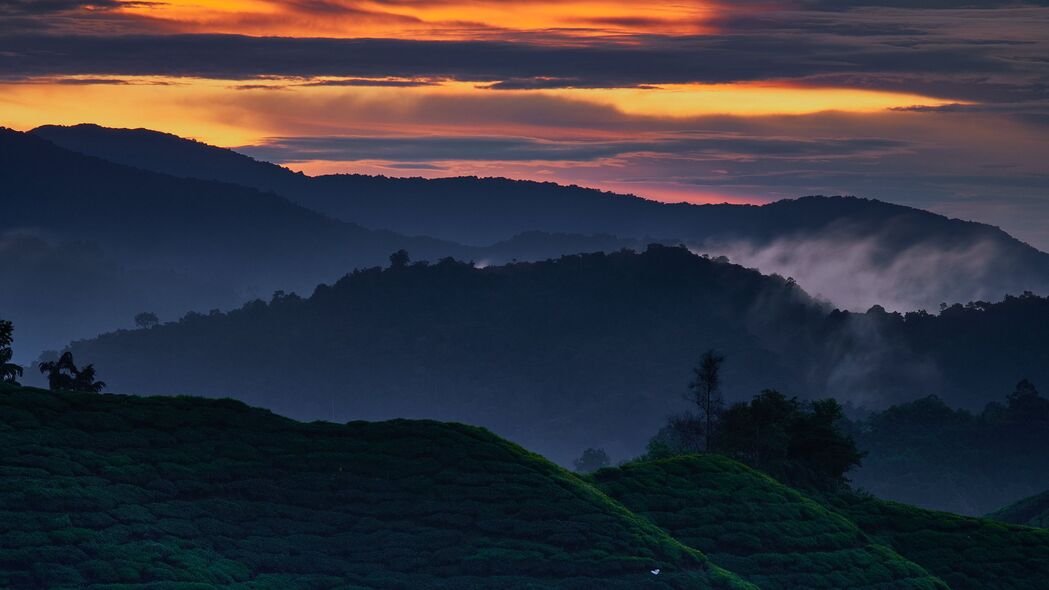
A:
(588, 350)
(1032, 511)
(856, 252)
(764, 531)
(967, 553)
(562, 355)
(99, 491)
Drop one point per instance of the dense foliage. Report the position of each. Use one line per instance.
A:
(800, 443)
(929, 454)
(8, 371)
(967, 553)
(585, 351)
(757, 527)
(97, 491)
(602, 342)
(64, 375)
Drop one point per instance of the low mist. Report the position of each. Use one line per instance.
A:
(857, 273)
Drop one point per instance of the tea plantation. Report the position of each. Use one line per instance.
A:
(967, 553)
(755, 526)
(117, 492)
(1033, 511)
(108, 492)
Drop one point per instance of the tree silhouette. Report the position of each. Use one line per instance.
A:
(9, 371)
(591, 460)
(400, 259)
(802, 443)
(63, 375)
(146, 320)
(705, 392)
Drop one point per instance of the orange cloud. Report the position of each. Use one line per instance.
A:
(442, 19)
(233, 113)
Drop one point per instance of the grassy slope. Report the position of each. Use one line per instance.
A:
(1032, 511)
(97, 491)
(967, 553)
(757, 527)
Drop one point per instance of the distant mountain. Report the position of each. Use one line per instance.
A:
(92, 242)
(855, 252)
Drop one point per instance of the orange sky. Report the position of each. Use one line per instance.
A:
(451, 19)
(232, 113)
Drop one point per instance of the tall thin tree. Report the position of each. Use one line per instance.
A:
(705, 392)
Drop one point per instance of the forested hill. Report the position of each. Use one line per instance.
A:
(586, 350)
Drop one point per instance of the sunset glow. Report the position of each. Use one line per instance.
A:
(457, 19)
(692, 100)
(219, 111)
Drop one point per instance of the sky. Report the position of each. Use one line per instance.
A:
(939, 104)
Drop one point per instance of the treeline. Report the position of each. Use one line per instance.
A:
(62, 374)
(806, 444)
(585, 350)
(929, 454)
(562, 355)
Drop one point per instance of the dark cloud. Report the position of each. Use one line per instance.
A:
(423, 149)
(715, 59)
(365, 82)
(51, 7)
(971, 51)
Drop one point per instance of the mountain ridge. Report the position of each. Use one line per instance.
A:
(905, 258)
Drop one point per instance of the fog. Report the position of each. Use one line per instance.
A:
(858, 273)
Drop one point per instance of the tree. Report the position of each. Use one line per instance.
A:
(400, 259)
(682, 435)
(817, 442)
(1025, 404)
(801, 443)
(63, 375)
(146, 320)
(9, 371)
(756, 433)
(592, 460)
(705, 393)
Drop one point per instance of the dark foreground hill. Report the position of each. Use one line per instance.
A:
(1032, 511)
(766, 532)
(856, 252)
(107, 492)
(183, 493)
(968, 553)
